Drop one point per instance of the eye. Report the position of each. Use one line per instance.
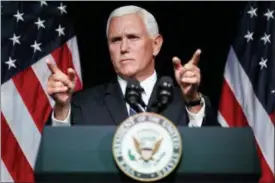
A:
(132, 37)
(115, 39)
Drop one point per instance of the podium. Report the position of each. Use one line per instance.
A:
(84, 154)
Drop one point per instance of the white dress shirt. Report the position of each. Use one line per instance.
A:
(148, 85)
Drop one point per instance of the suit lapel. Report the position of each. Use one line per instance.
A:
(174, 111)
(153, 97)
(114, 101)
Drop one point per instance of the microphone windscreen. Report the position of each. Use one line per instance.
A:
(165, 90)
(132, 91)
(166, 82)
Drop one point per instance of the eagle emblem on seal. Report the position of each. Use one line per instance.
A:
(147, 149)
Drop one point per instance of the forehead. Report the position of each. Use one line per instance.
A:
(131, 23)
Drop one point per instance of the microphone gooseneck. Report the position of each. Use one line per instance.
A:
(133, 95)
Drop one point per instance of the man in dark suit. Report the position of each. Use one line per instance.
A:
(134, 42)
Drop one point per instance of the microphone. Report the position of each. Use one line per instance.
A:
(164, 93)
(133, 95)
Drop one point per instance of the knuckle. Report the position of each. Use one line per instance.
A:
(188, 66)
(58, 84)
(71, 85)
(55, 77)
(58, 77)
(50, 79)
(56, 90)
(50, 84)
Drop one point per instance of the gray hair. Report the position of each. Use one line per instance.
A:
(148, 19)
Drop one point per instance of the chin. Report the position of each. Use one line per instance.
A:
(128, 73)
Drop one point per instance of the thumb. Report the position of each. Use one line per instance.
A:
(71, 74)
(176, 63)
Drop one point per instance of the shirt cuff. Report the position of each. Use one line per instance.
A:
(196, 118)
(65, 122)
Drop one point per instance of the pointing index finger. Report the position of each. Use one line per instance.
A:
(196, 57)
(54, 69)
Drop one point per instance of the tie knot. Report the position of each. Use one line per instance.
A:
(142, 90)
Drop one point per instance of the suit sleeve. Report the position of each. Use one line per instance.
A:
(209, 119)
(73, 117)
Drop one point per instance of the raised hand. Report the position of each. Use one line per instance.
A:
(188, 76)
(61, 87)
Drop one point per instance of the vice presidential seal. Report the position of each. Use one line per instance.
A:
(147, 147)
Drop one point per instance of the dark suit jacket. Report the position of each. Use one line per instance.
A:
(105, 105)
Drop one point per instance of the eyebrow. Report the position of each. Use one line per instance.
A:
(112, 38)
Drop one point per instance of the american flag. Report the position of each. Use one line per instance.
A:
(248, 92)
(31, 33)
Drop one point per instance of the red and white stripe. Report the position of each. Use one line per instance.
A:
(5, 175)
(240, 107)
(25, 108)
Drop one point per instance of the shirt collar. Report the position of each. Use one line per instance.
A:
(147, 84)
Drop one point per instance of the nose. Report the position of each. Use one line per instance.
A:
(124, 46)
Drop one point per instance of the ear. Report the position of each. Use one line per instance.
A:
(157, 43)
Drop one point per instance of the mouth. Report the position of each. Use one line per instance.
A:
(126, 60)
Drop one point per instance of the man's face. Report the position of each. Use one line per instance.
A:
(131, 47)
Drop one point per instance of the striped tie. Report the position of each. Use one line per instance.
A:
(132, 112)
